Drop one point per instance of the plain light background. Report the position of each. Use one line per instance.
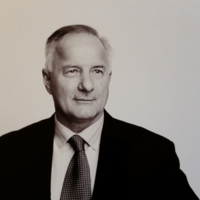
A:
(155, 61)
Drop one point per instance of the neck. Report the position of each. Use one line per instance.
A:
(77, 125)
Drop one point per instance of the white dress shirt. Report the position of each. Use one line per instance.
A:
(63, 153)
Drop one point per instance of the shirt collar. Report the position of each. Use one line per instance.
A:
(91, 134)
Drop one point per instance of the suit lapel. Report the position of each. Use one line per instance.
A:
(112, 173)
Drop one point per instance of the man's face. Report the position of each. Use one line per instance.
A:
(80, 77)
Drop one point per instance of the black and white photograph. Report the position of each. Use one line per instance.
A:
(100, 100)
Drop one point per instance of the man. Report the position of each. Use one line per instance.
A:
(81, 152)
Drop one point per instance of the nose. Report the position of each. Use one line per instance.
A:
(86, 83)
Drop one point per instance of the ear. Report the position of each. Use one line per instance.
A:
(47, 79)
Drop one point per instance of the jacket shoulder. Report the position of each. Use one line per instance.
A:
(24, 134)
(141, 135)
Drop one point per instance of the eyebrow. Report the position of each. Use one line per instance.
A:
(70, 66)
(76, 66)
(99, 66)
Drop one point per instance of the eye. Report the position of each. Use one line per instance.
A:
(98, 72)
(72, 72)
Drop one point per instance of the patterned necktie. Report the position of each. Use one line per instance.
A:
(77, 184)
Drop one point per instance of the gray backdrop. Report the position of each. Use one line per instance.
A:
(156, 64)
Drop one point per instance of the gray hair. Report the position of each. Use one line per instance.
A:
(54, 39)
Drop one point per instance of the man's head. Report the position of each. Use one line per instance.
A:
(77, 73)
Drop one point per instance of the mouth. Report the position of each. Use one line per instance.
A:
(84, 100)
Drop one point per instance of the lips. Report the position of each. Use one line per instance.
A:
(82, 100)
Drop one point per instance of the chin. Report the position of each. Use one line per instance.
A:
(87, 114)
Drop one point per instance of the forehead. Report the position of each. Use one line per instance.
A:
(81, 46)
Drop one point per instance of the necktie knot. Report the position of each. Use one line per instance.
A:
(77, 143)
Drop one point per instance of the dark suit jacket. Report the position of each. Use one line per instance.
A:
(134, 163)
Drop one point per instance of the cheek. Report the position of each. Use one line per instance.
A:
(103, 89)
(58, 89)
(66, 91)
